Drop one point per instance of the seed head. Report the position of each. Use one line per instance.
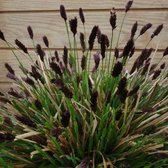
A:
(103, 45)
(117, 69)
(26, 121)
(29, 81)
(30, 31)
(162, 66)
(56, 56)
(123, 95)
(38, 104)
(165, 52)
(40, 52)
(145, 68)
(97, 60)
(82, 41)
(145, 28)
(6, 137)
(65, 118)
(39, 139)
(45, 40)
(157, 31)
(93, 100)
(113, 19)
(58, 82)
(65, 56)
(133, 91)
(90, 84)
(149, 53)
(116, 53)
(83, 62)
(63, 12)
(62, 67)
(121, 86)
(144, 54)
(128, 5)
(35, 73)
(81, 15)
(92, 37)
(134, 29)
(152, 68)
(73, 25)
(15, 94)
(156, 74)
(140, 60)
(85, 162)
(56, 132)
(11, 76)
(148, 109)
(128, 47)
(67, 92)
(9, 68)
(21, 46)
(132, 52)
(98, 35)
(4, 100)
(2, 37)
(55, 67)
(107, 43)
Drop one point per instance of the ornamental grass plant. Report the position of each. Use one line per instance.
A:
(65, 111)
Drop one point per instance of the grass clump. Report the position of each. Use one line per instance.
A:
(64, 112)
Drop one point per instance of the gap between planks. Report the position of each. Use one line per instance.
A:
(78, 49)
(85, 10)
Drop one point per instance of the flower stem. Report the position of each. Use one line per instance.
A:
(120, 29)
(76, 54)
(89, 60)
(66, 25)
(111, 45)
(8, 44)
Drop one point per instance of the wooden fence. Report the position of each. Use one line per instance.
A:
(44, 17)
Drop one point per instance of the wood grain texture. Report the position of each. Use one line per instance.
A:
(4, 87)
(51, 24)
(7, 56)
(44, 17)
(22, 5)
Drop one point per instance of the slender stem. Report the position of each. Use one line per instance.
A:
(50, 52)
(151, 62)
(11, 45)
(8, 44)
(89, 60)
(33, 43)
(113, 62)
(102, 64)
(84, 34)
(136, 38)
(126, 106)
(148, 43)
(120, 29)
(77, 57)
(66, 25)
(111, 45)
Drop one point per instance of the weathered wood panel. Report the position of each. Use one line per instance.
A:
(22, 5)
(4, 87)
(52, 25)
(43, 15)
(7, 56)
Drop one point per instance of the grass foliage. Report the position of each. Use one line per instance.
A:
(64, 112)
